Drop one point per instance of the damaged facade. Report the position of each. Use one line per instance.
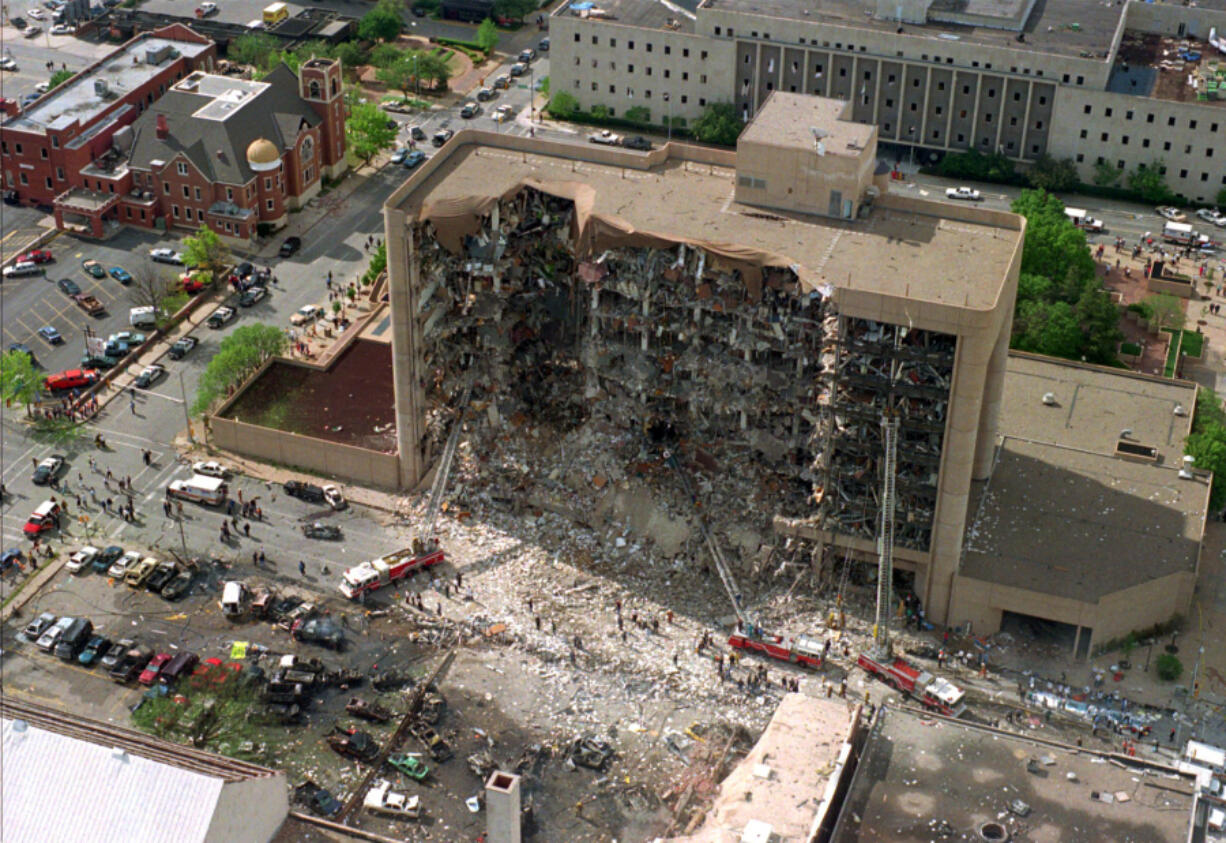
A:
(751, 318)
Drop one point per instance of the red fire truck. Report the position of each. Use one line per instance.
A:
(800, 650)
(933, 692)
(373, 575)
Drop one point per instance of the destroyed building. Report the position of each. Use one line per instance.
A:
(751, 316)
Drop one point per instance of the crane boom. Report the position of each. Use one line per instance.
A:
(439, 486)
(885, 535)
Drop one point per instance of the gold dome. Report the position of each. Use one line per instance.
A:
(262, 151)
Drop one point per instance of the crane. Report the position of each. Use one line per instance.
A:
(439, 487)
(885, 536)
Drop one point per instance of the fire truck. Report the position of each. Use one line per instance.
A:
(377, 573)
(801, 650)
(932, 692)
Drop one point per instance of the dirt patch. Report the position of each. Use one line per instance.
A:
(352, 403)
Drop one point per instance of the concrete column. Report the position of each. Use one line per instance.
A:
(402, 296)
(502, 811)
(993, 396)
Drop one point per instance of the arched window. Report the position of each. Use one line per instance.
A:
(308, 149)
(315, 89)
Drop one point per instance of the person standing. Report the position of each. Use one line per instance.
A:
(301, 567)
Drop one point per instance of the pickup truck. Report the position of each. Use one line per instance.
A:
(964, 193)
(89, 304)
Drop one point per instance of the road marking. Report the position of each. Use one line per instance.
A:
(15, 465)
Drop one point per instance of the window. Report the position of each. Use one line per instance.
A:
(703, 56)
(187, 213)
(593, 86)
(1042, 100)
(17, 148)
(889, 103)
(55, 141)
(685, 52)
(1183, 174)
(940, 86)
(612, 89)
(268, 204)
(1124, 140)
(666, 73)
(630, 69)
(268, 182)
(886, 127)
(612, 42)
(842, 72)
(1187, 149)
(48, 182)
(59, 173)
(987, 118)
(229, 194)
(685, 76)
(702, 100)
(1080, 157)
(1170, 121)
(1166, 146)
(649, 71)
(166, 187)
(1149, 118)
(1128, 114)
(42, 152)
(647, 94)
(961, 138)
(1204, 177)
(1087, 109)
(915, 83)
(938, 111)
(702, 79)
(1192, 125)
(890, 79)
(308, 149)
(576, 37)
(174, 209)
(23, 178)
(668, 51)
(817, 71)
(1145, 143)
(1209, 153)
(1017, 97)
(914, 106)
(187, 194)
(612, 65)
(966, 89)
(1104, 136)
(649, 46)
(1213, 128)
(595, 39)
(1081, 80)
(181, 168)
(630, 45)
(684, 99)
(197, 194)
(1012, 121)
(1065, 79)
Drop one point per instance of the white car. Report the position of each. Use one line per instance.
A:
(605, 137)
(1169, 213)
(220, 317)
(123, 564)
(307, 313)
(164, 255)
(210, 468)
(381, 799)
(63, 29)
(503, 113)
(81, 559)
(1210, 215)
(37, 14)
(150, 375)
(964, 193)
(51, 637)
(8, 63)
(42, 87)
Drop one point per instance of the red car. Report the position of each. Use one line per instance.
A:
(191, 283)
(71, 379)
(46, 517)
(150, 674)
(37, 256)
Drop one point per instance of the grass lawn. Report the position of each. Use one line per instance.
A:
(1172, 352)
(1193, 343)
(1130, 348)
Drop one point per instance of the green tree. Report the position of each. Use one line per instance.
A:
(59, 78)
(1169, 667)
(434, 69)
(1167, 311)
(1053, 174)
(542, 85)
(252, 48)
(19, 380)
(1105, 175)
(1209, 411)
(638, 114)
(382, 23)
(1054, 248)
(515, 9)
(719, 124)
(398, 75)
(385, 55)
(351, 53)
(563, 106)
(1033, 287)
(1100, 322)
(205, 250)
(367, 131)
(487, 36)
(239, 354)
(1221, 198)
(1208, 448)
(1049, 328)
(976, 166)
(1148, 181)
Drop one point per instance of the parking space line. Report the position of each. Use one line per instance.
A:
(16, 464)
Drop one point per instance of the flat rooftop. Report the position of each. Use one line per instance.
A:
(647, 14)
(785, 120)
(76, 101)
(923, 778)
(923, 256)
(1049, 28)
(800, 747)
(1152, 65)
(1061, 513)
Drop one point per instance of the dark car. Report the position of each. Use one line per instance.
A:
(308, 492)
(290, 246)
(320, 801)
(414, 159)
(164, 573)
(182, 346)
(244, 269)
(69, 287)
(121, 275)
(321, 531)
(48, 470)
(322, 631)
(105, 557)
(637, 142)
(130, 664)
(355, 744)
(442, 136)
(74, 639)
(252, 296)
(100, 361)
(543, 45)
(178, 586)
(24, 349)
(527, 56)
(416, 133)
(94, 650)
(116, 653)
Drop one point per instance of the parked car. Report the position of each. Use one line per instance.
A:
(131, 664)
(81, 559)
(503, 113)
(120, 567)
(527, 55)
(543, 45)
(637, 142)
(181, 665)
(106, 558)
(963, 193)
(469, 110)
(486, 94)
(355, 744)
(502, 82)
(33, 31)
(139, 574)
(1170, 213)
(100, 361)
(221, 316)
(164, 573)
(36, 256)
(311, 493)
(307, 313)
(317, 530)
(318, 800)
(23, 349)
(322, 631)
(210, 468)
(605, 137)
(35, 628)
(164, 255)
(63, 29)
(121, 275)
(416, 133)
(289, 246)
(399, 155)
(51, 635)
(21, 268)
(178, 586)
(414, 159)
(115, 653)
(1211, 215)
(193, 282)
(74, 639)
(182, 347)
(519, 69)
(381, 799)
(70, 379)
(442, 136)
(150, 375)
(45, 517)
(8, 62)
(69, 287)
(150, 674)
(50, 334)
(93, 268)
(95, 649)
(410, 764)
(49, 469)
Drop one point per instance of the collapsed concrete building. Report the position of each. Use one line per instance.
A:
(752, 316)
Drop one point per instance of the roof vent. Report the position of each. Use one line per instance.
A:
(1136, 451)
(20, 725)
(1184, 474)
(119, 753)
(1049, 398)
(993, 832)
(1180, 411)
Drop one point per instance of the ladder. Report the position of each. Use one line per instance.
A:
(885, 536)
(444, 465)
(721, 565)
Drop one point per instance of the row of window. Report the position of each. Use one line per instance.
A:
(685, 76)
(1121, 164)
(1166, 145)
(668, 50)
(1149, 118)
(629, 94)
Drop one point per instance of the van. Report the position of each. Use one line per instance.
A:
(201, 489)
(74, 639)
(233, 599)
(177, 667)
(275, 13)
(1178, 232)
(1081, 219)
(22, 268)
(143, 317)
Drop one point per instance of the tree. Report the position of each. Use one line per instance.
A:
(59, 78)
(19, 380)
(1169, 667)
(385, 55)
(1049, 328)
(1148, 181)
(351, 53)
(638, 114)
(1054, 247)
(719, 124)
(434, 69)
(563, 106)
(366, 130)
(382, 23)
(1221, 198)
(1105, 175)
(1209, 411)
(252, 48)
(1053, 174)
(487, 36)
(398, 76)
(1100, 322)
(150, 288)
(515, 9)
(1208, 449)
(1167, 311)
(974, 165)
(205, 250)
(238, 356)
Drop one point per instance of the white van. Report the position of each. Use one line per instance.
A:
(233, 598)
(1080, 218)
(22, 268)
(1178, 232)
(143, 317)
(201, 489)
